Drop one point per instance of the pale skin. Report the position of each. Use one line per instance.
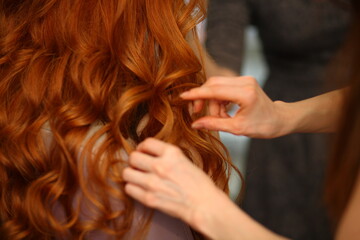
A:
(259, 116)
(186, 192)
(161, 177)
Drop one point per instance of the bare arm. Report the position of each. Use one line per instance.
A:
(163, 178)
(317, 114)
(259, 116)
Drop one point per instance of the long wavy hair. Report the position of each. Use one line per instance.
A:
(70, 66)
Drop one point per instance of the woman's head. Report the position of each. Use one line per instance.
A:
(93, 51)
(68, 65)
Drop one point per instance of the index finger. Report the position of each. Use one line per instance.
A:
(215, 92)
(152, 146)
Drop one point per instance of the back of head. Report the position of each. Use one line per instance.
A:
(68, 65)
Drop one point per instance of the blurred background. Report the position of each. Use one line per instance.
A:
(285, 175)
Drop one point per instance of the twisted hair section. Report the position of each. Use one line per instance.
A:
(69, 67)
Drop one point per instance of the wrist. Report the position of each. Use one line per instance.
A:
(230, 222)
(313, 115)
(288, 118)
(208, 219)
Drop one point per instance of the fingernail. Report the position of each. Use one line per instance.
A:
(197, 125)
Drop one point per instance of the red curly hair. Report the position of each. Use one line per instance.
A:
(69, 66)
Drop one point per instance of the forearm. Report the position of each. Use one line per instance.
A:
(226, 221)
(313, 115)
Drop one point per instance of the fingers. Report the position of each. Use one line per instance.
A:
(165, 182)
(152, 146)
(154, 191)
(223, 111)
(139, 178)
(149, 163)
(171, 206)
(137, 193)
(141, 161)
(153, 155)
(243, 91)
(214, 108)
(218, 124)
(150, 182)
(220, 92)
(218, 109)
(223, 88)
(198, 105)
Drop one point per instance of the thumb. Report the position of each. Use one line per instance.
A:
(218, 124)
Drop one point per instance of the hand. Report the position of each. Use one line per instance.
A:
(162, 177)
(258, 116)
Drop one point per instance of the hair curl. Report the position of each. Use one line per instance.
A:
(72, 66)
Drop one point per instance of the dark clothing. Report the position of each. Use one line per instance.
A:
(285, 175)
